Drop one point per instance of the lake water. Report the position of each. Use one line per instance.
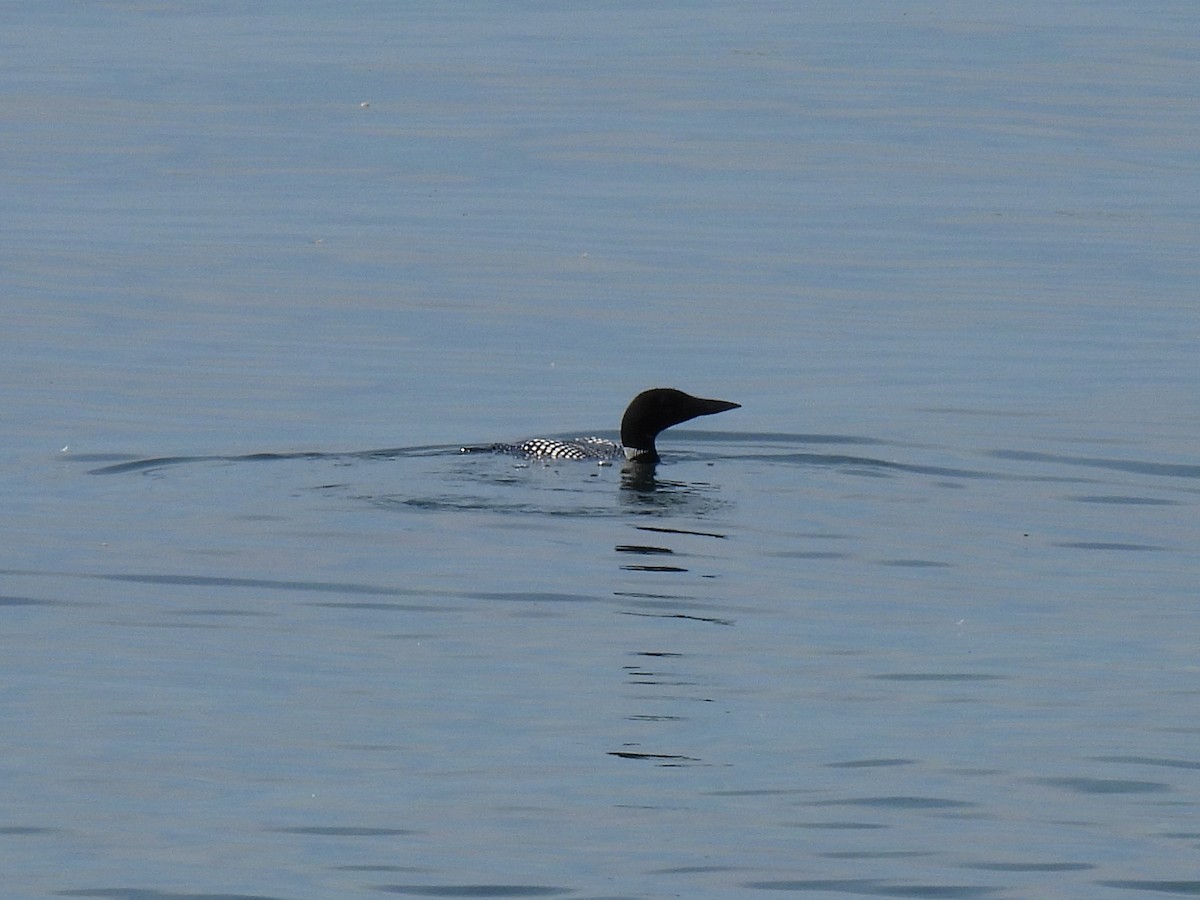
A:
(918, 620)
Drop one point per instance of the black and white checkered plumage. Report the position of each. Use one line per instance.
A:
(650, 412)
(558, 449)
(576, 448)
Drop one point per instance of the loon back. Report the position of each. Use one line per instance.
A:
(575, 448)
(650, 413)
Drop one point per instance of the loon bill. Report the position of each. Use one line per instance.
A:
(650, 413)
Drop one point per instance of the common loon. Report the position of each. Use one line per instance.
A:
(650, 413)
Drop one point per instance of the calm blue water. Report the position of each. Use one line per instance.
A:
(919, 620)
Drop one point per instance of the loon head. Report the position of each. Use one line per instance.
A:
(657, 409)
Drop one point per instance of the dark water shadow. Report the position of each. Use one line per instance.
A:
(480, 504)
(904, 802)
(938, 676)
(1179, 888)
(340, 588)
(30, 601)
(873, 887)
(342, 831)
(1104, 785)
(1029, 867)
(1121, 500)
(473, 890)
(1151, 761)
(1137, 466)
(1107, 545)
(156, 463)
(869, 466)
(150, 894)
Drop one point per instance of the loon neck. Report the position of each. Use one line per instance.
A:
(635, 455)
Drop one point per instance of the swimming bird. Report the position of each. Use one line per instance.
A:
(648, 414)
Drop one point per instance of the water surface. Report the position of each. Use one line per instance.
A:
(918, 620)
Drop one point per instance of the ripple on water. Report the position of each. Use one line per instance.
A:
(875, 887)
(1182, 888)
(1082, 785)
